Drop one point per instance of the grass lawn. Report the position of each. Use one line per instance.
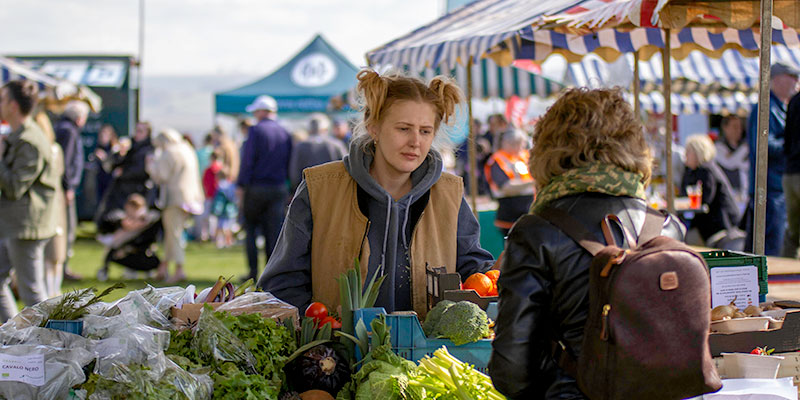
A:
(204, 264)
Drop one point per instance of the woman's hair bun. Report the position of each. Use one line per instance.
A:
(448, 93)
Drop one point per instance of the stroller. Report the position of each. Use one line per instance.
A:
(131, 249)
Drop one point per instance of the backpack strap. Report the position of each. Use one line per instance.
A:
(573, 228)
(653, 223)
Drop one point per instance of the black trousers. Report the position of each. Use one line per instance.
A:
(264, 209)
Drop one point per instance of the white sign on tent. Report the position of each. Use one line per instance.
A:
(314, 70)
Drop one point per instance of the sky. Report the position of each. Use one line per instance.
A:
(207, 37)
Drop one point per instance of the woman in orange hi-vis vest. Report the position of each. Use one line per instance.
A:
(509, 178)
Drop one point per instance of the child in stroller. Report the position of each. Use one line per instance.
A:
(130, 245)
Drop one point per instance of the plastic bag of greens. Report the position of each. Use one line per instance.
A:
(263, 303)
(159, 379)
(45, 336)
(141, 307)
(41, 372)
(216, 343)
(160, 298)
(138, 344)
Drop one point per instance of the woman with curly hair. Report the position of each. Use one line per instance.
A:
(387, 203)
(589, 159)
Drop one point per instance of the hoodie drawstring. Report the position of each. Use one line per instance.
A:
(405, 221)
(381, 268)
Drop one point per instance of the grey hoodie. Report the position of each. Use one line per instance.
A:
(288, 271)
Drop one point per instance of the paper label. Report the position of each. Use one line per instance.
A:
(728, 283)
(26, 369)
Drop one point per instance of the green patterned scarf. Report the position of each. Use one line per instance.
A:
(597, 178)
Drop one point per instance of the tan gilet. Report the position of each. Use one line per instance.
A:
(339, 232)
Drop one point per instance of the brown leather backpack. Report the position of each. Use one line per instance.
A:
(646, 334)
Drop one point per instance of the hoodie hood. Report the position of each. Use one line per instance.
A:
(358, 163)
(388, 235)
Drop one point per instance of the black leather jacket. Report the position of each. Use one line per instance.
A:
(544, 294)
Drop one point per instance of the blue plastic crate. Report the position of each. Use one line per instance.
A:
(409, 341)
(75, 327)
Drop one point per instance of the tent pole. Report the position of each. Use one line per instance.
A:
(637, 88)
(760, 214)
(665, 58)
(473, 165)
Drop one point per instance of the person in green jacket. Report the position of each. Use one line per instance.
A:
(27, 197)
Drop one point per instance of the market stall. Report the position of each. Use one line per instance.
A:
(611, 27)
(306, 83)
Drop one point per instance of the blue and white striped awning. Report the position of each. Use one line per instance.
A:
(697, 73)
(729, 103)
(60, 89)
(11, 70)
(466, 32)
(533, 44)
(493, 81)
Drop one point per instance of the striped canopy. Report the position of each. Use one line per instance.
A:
(58, 89)
(714, 103)
(593, 15)
(537, 44)
(467, 32)
(490, 80)
(696, 73)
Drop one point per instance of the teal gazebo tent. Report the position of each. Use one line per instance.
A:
(304, 84)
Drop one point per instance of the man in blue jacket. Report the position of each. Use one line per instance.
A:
(68, 136)
(783, 85)
(262, 186)
(791, 178)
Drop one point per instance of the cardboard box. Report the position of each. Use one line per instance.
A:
(785, 339)
(442, 285)
(189, 313)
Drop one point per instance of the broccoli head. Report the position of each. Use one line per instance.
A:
(463, 322)
(432, 320)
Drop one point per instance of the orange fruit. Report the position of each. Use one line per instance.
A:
(480, 283)
(493, 292)
(493, 274)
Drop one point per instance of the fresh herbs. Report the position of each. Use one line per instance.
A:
(247, 352)
(74, 304)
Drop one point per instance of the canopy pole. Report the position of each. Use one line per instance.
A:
(666, 55)
(139, 65)
(760, 214)
(473, 165)
(637, 88)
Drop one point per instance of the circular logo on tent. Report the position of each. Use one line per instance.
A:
(314, 70)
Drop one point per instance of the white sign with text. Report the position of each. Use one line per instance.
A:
(26, 369)
(729, 283)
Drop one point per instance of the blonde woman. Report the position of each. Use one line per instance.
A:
(589, 159)
(722, 219)
(388, 203)
(174, 167)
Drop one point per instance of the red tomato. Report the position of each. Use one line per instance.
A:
(317, 310)
(757, 351)
(335, 323)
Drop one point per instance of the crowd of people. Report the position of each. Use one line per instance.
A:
(149, 188)
(725, 174)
